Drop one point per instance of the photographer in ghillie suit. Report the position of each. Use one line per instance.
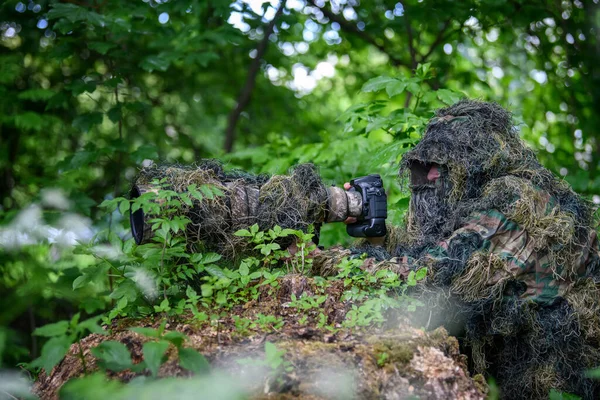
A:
(511, 252)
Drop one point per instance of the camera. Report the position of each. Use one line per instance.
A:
(371, 222)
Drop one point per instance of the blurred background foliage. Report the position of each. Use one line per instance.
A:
(90, 90)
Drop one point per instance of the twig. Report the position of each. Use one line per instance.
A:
(246, 93)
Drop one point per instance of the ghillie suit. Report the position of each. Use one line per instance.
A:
(296, 201)
(511, 252)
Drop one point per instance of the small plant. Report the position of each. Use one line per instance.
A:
(266, 243)
(273, 359)
(61, 336)
(154, 351)
(306, 302)
(382, 358)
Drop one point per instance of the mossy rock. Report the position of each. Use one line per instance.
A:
(343, 364)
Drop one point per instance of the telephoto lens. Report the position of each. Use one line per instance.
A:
(294, 201)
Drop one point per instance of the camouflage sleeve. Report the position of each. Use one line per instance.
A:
(486, 253)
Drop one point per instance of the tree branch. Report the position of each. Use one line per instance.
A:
(440, 37)
(244, 97)
(411, 47)
(353, 29)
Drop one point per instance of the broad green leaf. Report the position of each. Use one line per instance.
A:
(53, 352)
(153, 355)
(378, 123)
(193, 361)
(448, 96)
(114, 114)
(377, 84)
(37, 94)
(155, 62)
(95, 386)
(70, 11)
(144, 152)
(148, 332)
(85, 122)
(175, 337)
(215, 271)
(29, 121)
(80, 86)
(395, 88)
(101, 47)
(126, 289)
(556, 395)
(112, 355)
(91, 325)
(421, 274)
(50, 330)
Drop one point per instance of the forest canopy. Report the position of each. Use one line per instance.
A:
(92, 91)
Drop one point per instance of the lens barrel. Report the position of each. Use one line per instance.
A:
(243, 201)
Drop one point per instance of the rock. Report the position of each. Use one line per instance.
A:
(395, 362)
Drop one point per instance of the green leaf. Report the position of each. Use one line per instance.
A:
(80, 86)
(221, 297)
(126, 289)
(91, 387)
(421, 274)
(36, 94)
(593, 373)
(82, 158)
(144, 152)
(148, 332)
(176, 338)
(53, 352)
(556, 395)
(153, 355)
(395, 88)
(112, 355)
(156, 62)
(85, 122)
(101, 47)
(204, 59)
(243, 233)
(210, 258)
(123, 208)
(114, 114)
(70, 11)
(377, 123)
(205, 189)
(377, 84)
(448, 96)
(91, 325)
(244, 270)
(50, 330)
(207, 290)
(193, 361)
(29, 121)
(215, 271)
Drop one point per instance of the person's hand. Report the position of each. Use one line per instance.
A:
(375, 241)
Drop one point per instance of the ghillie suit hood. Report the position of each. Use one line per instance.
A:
(515, 252)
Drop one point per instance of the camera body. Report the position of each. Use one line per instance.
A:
(371, 222)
